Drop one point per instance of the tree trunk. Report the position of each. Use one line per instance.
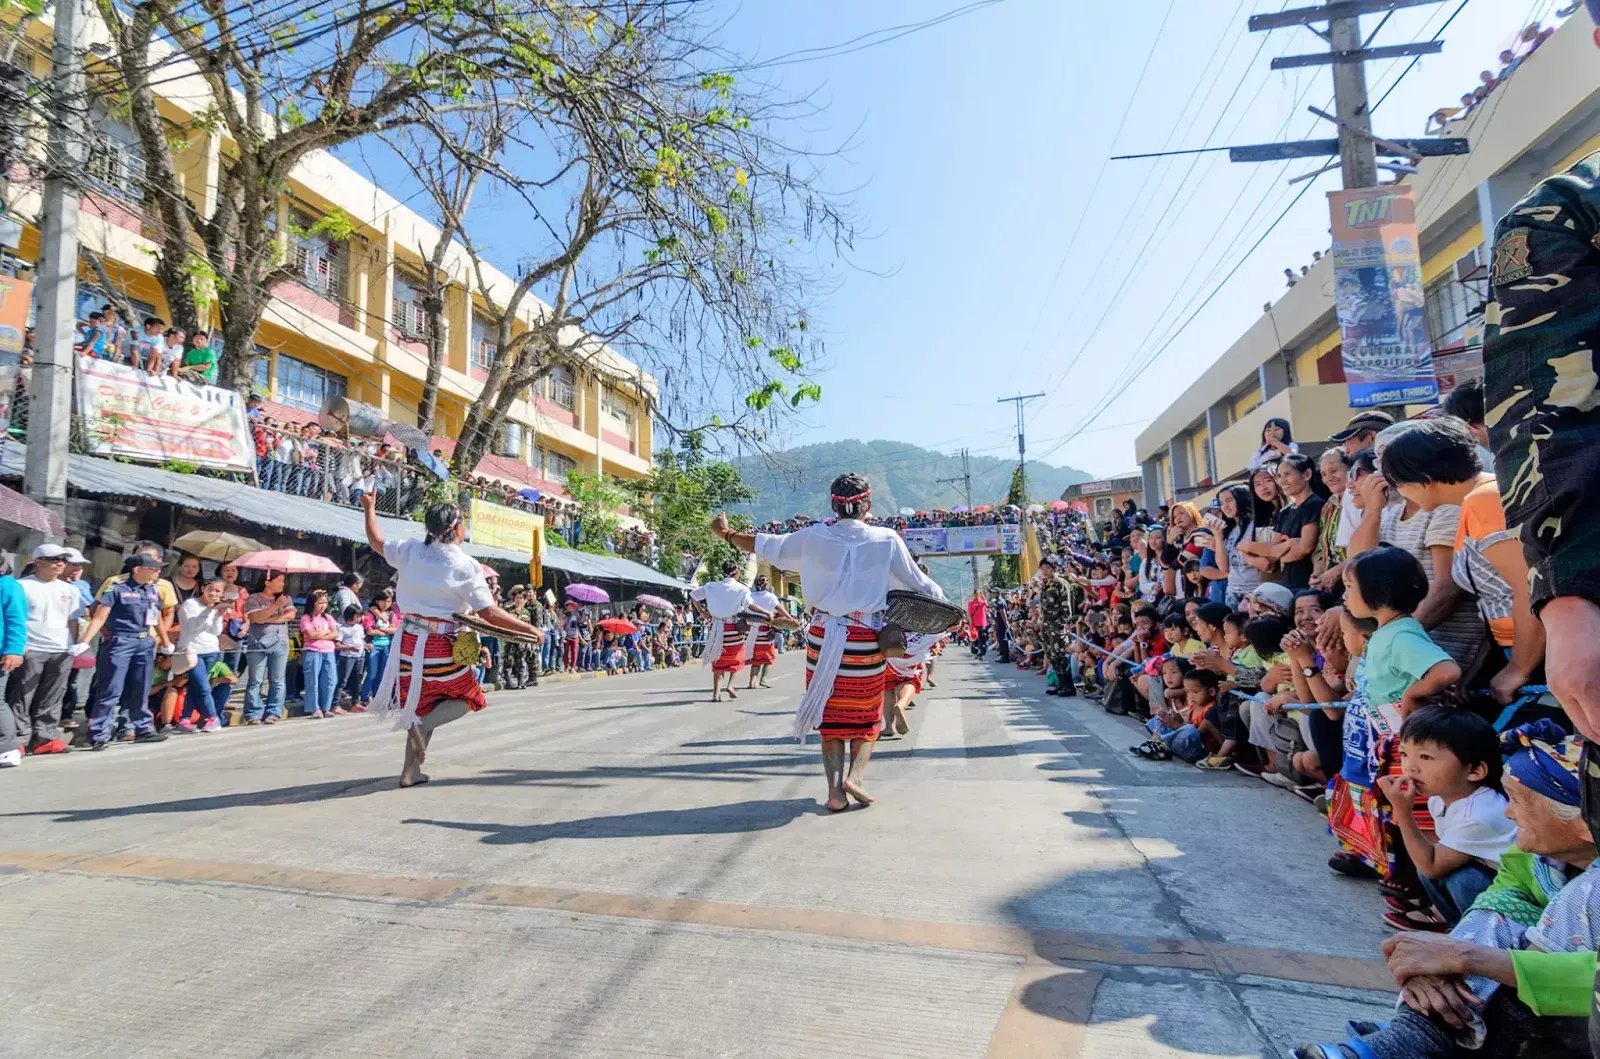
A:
(489, 425)
(428, 406)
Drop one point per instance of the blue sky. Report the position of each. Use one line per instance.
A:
(1000, 253)
(971, 150)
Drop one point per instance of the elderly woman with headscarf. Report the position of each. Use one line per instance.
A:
(1519, 968)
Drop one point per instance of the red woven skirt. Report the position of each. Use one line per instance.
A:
(731, 660)
(765, 651)
(442, 677)
(893, 678)
(855, 705)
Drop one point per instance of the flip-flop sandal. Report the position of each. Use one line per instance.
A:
(1352, 865)
(1416, 922)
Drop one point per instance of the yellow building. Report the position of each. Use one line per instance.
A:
(1287, 363)
(350, 322)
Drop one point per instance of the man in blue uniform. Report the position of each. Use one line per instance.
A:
(129, 612)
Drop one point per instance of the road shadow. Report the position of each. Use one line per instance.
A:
(727, 819)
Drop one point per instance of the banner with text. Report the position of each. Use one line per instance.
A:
(157, 418)
(1377, 275)
(965, 540)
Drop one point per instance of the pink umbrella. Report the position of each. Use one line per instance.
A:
(655, 601)
(588, 593)
(488, 571)
(289, 561)
(1059, 505)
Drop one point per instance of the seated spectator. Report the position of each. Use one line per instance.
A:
(1516, 975)
(91, 338)
(1451, 759)
(152, 343)
(199, 363)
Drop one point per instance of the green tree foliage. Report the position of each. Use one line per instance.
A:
(678, 499)
(598, 497)
(1005, 571)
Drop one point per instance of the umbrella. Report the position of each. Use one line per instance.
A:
(588, 593)
(981, 508)
(529, 494)
(655, 601)
(18, 510)
(289, 561)
(620, 626)
(1034, 509)
(908, 511)
(959, 509)
(1059, 505)
(488, 571)
(217, 544)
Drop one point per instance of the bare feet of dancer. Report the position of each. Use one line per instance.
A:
(411, 774)
(833, 767)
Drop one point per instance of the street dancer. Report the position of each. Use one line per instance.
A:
(903, 682)
(429, 678)
(846, 571)
(764, 636)
(722, 602)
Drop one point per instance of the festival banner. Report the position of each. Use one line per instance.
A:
(924, 541)
(16, 296)
(498, 526)
(1377, 269)
(158, 418)
(972, 540)
(1010, 538)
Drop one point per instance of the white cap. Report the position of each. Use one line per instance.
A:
(75, 557)
(49, 551)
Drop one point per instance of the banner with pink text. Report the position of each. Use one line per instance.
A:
(128, 413)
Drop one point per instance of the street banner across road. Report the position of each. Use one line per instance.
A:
(1377, 270)
(157, 418)
(1005, 539)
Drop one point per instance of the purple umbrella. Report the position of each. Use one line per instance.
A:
(588, 593)
(655, 601)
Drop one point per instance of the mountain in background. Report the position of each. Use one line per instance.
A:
(796, 482)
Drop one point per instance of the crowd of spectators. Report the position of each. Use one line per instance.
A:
(155, 349)
(937, 518)
(1527, 42)
(232, 646)
(1356, 630)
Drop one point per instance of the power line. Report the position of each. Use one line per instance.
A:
(862, 41)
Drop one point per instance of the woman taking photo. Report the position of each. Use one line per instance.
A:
(201, 620)
(319, 634)
(1276, 443)
(1235, 526)
(1157, 576)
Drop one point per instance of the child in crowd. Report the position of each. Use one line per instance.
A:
(1404, 666)
(1180, 636)
(91, 339)
(1452, 759)
(352, 651)
(1172, 732)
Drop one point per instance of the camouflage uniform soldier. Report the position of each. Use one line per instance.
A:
(1055, 609)
(516, 657)
(1542, 408)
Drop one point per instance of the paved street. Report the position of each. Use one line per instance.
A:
(617, 867)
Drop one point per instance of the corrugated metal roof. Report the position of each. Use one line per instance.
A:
(90, 474)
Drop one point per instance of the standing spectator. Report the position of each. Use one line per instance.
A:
(233, 633)
(382, 624)
(1297, 522)
(266, 649)
(1276, 442)
(91, 340)
(147, 352)
(978, 615)
(1326, 570)
(37, 689)
(130, 612)
(201, 622)
(13, 641)
(186, 579)
(351, 656)
(73, 575)
(1465, 402)
(116, 333)
(347, 595)
(319, 635)
(1237, 526)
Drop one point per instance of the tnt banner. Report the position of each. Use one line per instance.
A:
(1377, 269)
(157, 418)
(1010, 539)
(925, 541)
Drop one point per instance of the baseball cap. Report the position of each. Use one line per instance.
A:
(75, 557)
(145, 560)
(1279, 597)
(1372, 419)
(49, 551)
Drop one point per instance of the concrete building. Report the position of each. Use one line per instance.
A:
(1286, 364)
(1106, 495)
(350, 322)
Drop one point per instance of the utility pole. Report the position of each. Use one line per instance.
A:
(965, 481)
(1358, 155)
(44, 477)
(1021, 401)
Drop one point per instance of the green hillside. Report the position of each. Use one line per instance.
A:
(902, 476)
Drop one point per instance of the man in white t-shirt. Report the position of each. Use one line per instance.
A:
(39, 685)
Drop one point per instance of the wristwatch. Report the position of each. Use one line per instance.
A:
(1309, 671)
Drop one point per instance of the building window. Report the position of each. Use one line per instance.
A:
(407, 312)
(305, 385)
(115, 164)
(258, 373)
(318, 260)
(483, 349)
(1451, 307)
(562, 387)
(619, 408)
(552, 466)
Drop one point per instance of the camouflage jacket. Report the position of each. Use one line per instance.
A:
(1055, 607)
(1541, 392)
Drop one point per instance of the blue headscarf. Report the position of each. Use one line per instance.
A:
(1544, 758)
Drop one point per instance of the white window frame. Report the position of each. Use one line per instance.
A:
(406, 312)
(115, 164)
(481, 351)
(319, 260)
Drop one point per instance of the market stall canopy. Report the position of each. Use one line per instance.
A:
(18, 510)
(97, 477)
